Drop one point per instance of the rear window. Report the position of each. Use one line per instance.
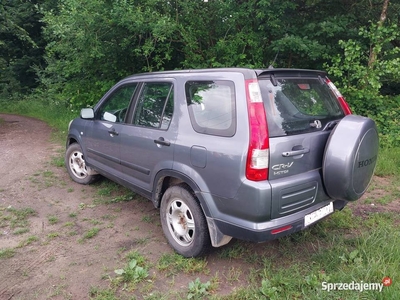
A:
(298, 105)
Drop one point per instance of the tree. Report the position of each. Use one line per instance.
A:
(21, 45)
(92, 44)
(364, 67)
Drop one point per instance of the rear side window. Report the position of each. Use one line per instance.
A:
(298, 105)
(211, 106)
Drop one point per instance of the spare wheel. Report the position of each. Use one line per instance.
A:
(350, 158)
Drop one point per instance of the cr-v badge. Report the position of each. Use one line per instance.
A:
(280, 169)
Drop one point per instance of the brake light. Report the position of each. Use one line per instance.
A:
(258, 151)
(345, 106)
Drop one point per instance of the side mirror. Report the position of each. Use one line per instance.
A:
(87, 113)
(109, 117)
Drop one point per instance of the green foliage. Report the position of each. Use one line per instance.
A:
(175, 264)
(91, 233)
(197, 289)
(21, 46)
(388, 162)
(362, 70)
(6, 253)
(15, 218)
(93, 44)
(132, 273)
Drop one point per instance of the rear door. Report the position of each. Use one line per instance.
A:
(301, 111)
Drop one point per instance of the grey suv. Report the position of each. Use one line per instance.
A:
(245, 153)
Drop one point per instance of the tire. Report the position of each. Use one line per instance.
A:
(76, 166)
(350, 158)
(183, 222)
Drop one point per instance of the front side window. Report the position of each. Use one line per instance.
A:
(155, 105)
(211, 106)
(114, 108)
(298, 105)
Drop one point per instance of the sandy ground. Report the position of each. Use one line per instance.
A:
(58, 265)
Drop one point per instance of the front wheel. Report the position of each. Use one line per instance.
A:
(76, 166)
(183, 222)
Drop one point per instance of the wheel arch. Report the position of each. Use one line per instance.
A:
(73, 137)
(167, 178)
(71, 140)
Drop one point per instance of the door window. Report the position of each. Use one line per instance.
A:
(115, 107)
(155, 105)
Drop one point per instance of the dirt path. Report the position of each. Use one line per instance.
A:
(53, 259)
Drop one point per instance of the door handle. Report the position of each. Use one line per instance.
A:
(162, 141)
(295, 152)
(112, 132)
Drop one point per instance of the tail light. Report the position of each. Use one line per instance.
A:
(345, 106)
(258, 152)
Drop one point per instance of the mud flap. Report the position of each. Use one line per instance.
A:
(350, 158)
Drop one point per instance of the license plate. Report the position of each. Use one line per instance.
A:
(318, 214)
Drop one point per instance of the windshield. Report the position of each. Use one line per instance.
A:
(298, 105)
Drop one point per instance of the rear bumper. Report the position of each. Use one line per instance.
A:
(265, 231)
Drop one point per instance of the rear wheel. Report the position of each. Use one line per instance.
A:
(76, 166)
(183, 222)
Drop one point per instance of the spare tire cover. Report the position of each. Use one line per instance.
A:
(350, 158)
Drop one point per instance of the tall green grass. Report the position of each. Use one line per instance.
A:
(44, 107)
(388, 162)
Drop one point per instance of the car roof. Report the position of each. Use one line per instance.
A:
(248, 73)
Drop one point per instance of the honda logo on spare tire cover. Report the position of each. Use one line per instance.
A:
(350, 158)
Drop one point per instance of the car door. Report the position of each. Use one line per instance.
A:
(103, 135)
(147, 144)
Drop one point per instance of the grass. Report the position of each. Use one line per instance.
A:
(15, 218)
(388, 162)
(6, 253)
(45, 179)
(366, 257)
(174, 264)
(21, 231)
(110, 192)
(53, 235)
(53, 220)
(91, 233)
(28, 241)
(98, 294)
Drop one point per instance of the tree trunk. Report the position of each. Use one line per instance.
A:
(382, 19)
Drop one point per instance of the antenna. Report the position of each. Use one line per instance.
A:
(271, 66)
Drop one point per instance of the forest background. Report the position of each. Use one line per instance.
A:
(68, 53)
